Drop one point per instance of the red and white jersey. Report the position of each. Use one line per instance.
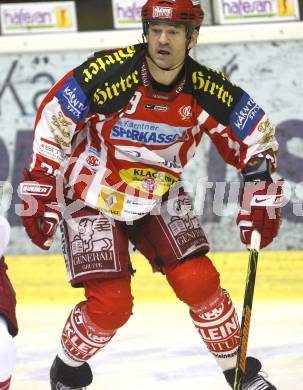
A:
(123, 141)
(5, 230)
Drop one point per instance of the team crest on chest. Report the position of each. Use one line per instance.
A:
(185, 113)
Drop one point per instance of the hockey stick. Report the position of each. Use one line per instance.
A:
(247, 307)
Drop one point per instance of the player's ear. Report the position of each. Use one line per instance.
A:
(193, 39)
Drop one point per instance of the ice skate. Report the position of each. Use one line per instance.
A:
(64, 377)
(252, 379)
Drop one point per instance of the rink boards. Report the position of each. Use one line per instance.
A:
(42, 279)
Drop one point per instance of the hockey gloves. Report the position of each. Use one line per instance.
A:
(260, 209)
(40, 212)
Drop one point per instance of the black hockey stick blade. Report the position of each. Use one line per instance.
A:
(247, 308)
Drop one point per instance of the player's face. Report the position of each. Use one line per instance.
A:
(167, 44)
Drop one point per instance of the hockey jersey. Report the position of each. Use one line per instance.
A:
(122, 142)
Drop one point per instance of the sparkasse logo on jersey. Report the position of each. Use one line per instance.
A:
(162, 12)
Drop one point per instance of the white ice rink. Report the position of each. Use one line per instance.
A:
(160, 349)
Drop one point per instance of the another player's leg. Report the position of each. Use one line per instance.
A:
(88, 329)
(7, 355)
(8, 320)
(8, 327)
(196, 282)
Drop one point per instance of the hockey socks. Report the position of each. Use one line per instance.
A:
(81, 338)
(219, 328)
(7, 355)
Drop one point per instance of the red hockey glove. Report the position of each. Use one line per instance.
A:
(40, 213)
(261, 210)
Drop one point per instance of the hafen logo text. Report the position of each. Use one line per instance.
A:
(26, 17)
(247, 8)
(22, 17)
(128, 12)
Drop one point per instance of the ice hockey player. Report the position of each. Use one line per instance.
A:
(112, 138)
(8, 321)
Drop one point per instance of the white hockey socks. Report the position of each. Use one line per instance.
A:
(7, 355)
(81, 339)
(219, 329)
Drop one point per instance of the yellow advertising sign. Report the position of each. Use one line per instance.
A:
(251, 11)
(30, 18)
(286, 8)
(64, 18)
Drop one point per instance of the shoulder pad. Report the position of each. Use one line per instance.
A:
(110, 78)
(214, 92)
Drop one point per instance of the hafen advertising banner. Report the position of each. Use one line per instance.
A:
(252, 11)
(28, 18)
(127, 13)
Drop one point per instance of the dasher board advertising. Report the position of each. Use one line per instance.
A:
(127, 13)
(252, 11)
(31, 18)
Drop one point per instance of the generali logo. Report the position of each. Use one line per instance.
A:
(162, 12)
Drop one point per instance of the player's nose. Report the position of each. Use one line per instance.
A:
(163, 38)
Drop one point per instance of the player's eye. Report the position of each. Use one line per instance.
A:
(156, 30)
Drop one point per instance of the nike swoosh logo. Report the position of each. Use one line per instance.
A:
(262, 200)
